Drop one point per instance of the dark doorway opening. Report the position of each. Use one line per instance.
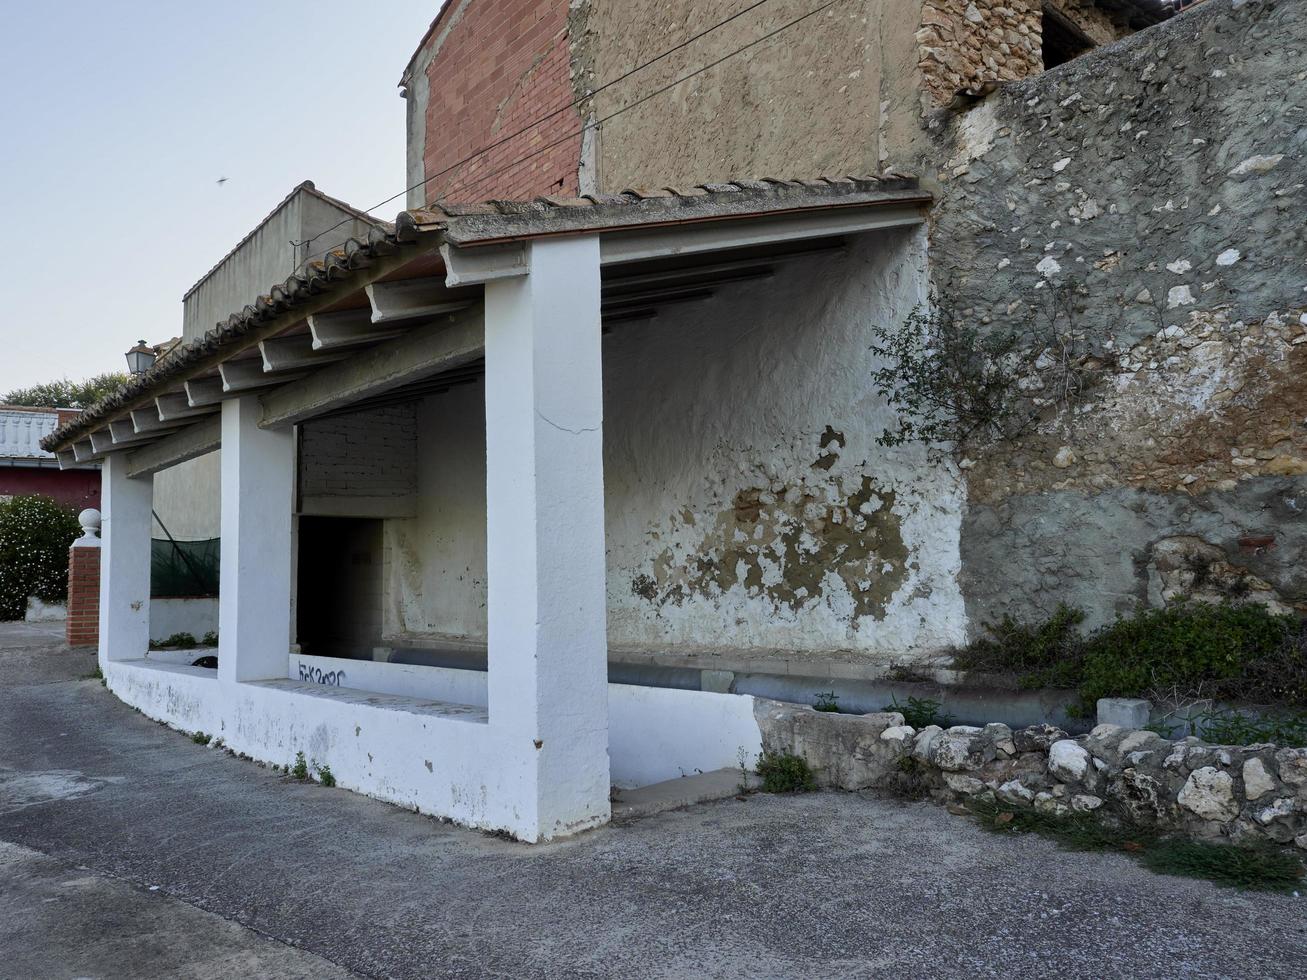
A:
(1062, 39)
(338, 602)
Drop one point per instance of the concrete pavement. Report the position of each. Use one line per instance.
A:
(280, 877)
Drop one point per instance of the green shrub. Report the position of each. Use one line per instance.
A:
(325, 776)
(201, 738)
(1189, 647)
(1228, 650)
(1046, 654)
(178, 641)
(35, 535)
(785, 773)
(919, 712)
(301, 768)
(210, 639)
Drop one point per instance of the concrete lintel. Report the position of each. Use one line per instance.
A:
(84, 452)
(102, 442)
(294, 353)
(194, 440)
(690, 239)
(248, 375)
(411, 299)
(470, 266)
(204, 392)
(176, 406)
(348, 328)
(373, 507)
(146, 421)
(124, 433)
(421, 353)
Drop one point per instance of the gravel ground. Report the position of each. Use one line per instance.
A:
(824, 885)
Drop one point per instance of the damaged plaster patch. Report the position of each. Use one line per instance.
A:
(814, 539)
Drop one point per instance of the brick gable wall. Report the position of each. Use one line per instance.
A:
(502, 65)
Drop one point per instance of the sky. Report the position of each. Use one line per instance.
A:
(117, 122)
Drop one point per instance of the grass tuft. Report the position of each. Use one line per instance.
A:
(785, 773)
(1253, 868)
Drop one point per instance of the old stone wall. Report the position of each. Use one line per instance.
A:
(1155, 189)
(1245, 793)
(966, 43)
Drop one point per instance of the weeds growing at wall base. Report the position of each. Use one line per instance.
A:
(1229, 651)
(1259, 868)
(785, 773)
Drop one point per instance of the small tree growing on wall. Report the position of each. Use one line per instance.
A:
(952, 383)
(35, 535)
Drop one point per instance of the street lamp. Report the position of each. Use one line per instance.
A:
(140, 358)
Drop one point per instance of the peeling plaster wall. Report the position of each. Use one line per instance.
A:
(748, 506)
(1162, 181)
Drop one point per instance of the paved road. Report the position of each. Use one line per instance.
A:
(256, 875)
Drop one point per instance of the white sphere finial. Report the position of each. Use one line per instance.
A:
(90, 521)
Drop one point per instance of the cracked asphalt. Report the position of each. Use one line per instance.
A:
(126, 850)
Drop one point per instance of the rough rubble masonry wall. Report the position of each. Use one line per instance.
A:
(1233, 791)
(965, 44)
(1160, 184)
(489, 69)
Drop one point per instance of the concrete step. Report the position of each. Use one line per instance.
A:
(644, 801)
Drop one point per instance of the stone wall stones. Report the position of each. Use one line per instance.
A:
(1158, 188)
(1252, 792)
(967, 43)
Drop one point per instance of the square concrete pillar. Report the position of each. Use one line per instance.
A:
(548, 652)
(254, 589)
(126, 515)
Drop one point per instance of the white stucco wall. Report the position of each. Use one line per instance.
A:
(748, 505)
(195, 615)
(187, 499)
(654, 734)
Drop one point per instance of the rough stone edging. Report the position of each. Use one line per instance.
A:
(1239, 792)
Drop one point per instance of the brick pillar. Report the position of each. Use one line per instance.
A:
(82, 628)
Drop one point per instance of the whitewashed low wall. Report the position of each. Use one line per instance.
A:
(196, 616)
(654, 734)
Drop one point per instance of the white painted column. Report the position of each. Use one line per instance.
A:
(254, 591)
(126, 515)
(548, 655)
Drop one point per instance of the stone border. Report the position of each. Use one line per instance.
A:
(1239, 792)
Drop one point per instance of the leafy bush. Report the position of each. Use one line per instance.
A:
(301, 768)
(178, 641)
(1236, 651)
(1046, 654)
(918, 712)
(785, 773)
(949, 381)
(35, 535)
(325, 776)
(1193, 647)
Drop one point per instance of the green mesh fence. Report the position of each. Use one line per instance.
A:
(183, 568)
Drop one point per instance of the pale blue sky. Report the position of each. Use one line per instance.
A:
(116, 121)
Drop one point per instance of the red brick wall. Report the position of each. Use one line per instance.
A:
(502, 66)
(83, 625)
